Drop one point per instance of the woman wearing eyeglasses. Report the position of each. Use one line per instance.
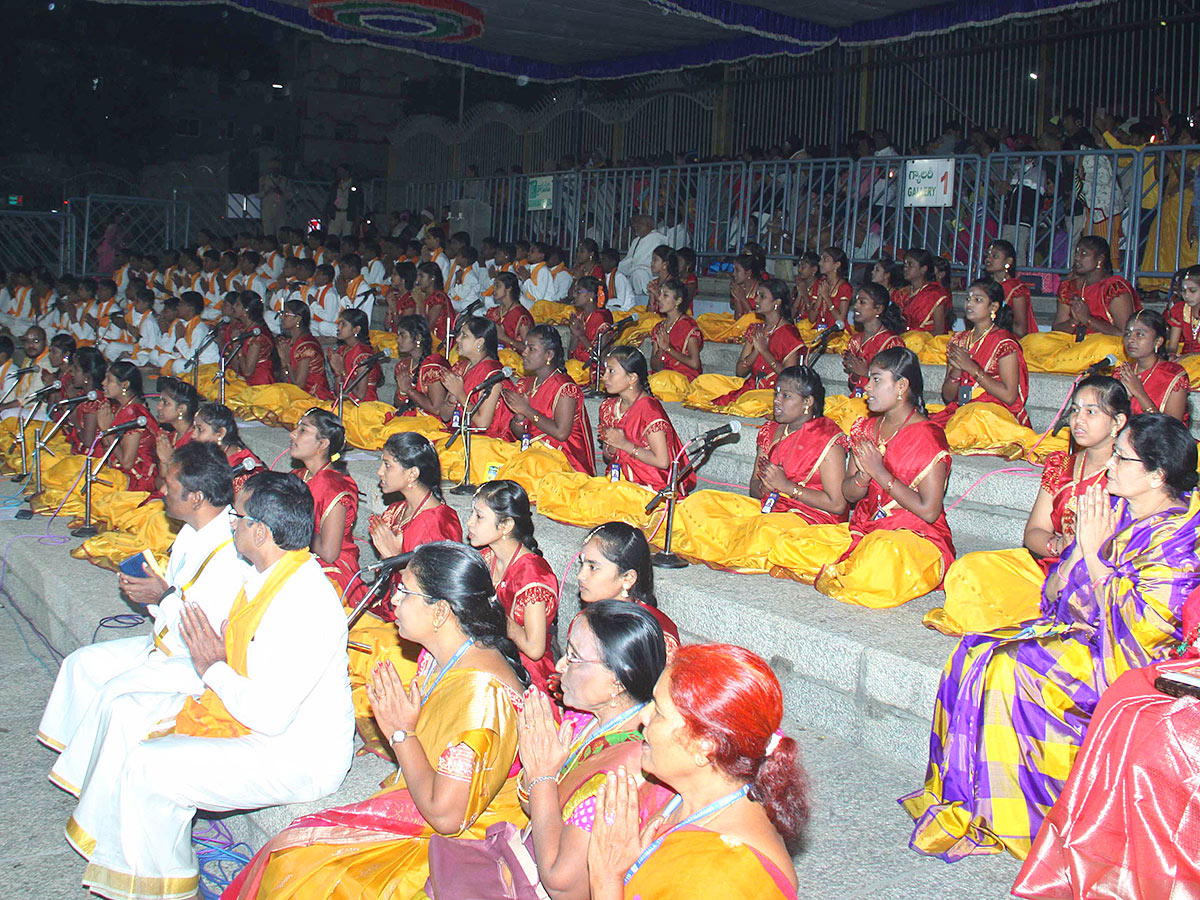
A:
(1014, 704)
(453, 734)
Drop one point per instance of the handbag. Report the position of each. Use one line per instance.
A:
(498, 866)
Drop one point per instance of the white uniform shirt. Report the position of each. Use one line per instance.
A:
(636, 264)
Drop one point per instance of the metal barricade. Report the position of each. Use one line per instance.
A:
(113, 223)
(31, 240)
(703, 207)
(799, 205)
(609, 199)
(1165, 214)
(210, 209)
(1043, 202)
(889, 221)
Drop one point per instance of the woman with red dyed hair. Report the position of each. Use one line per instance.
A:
(741, 800)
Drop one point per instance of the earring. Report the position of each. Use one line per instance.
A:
(993, 317)
(700, 761)
(624, 593)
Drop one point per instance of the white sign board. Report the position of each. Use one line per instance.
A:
(929, 182)
(541, 193)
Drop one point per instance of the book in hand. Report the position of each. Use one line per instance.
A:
(141, 565)
(1181, 683)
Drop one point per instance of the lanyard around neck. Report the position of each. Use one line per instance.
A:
(428, 689)
(715, 807)
(586, 738)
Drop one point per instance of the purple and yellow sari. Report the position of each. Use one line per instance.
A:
(1014, 704)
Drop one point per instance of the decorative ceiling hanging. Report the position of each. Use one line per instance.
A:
(424, 20)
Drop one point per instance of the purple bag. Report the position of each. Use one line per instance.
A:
(498, 866)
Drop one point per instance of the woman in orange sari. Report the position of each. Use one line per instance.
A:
(135, 454)
(478, 349)
(925, 302)
(799, 469)
(639, 443)
(1155, 384)
(984, 364)
(830, 295)
(358, 380)
(257, 361)
(547, 405)
(453, 731)
(712, 734)
(677, 338)
(992, 589)
(419, 371)
(513, 320)
(882, 324)
(501, 528)
(769, 347)
(1000, 263)
(317, 443)
(305, 366)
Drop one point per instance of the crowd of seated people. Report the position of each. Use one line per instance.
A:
(848, 492)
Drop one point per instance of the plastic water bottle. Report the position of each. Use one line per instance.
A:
(614, 472)
(769, 501)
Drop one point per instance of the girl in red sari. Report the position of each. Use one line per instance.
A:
(770, 347)
(587, 262)
(993, 589)
(1154, 383)
(897, 545)
(434, 304)
(677, 338)
(512, 319)
(346, 359)
(745, 284)
(501, 528)
(1093, 298)
(713, 737)
(985, 364)
(614, 564)
(87, 370)
(1183, 315)
(135, 454)
(257, 361)
(830, 295)
(478, 347)
(881, 323)
(399, 298)
(635, 432)
(424, 392)
(687, 275)
(589, 318)
(664, 266)
(547, 405)
(924, 302)
(175, 412)
(215, 424)
(318, 441)
(305, 360)
(1000, 262)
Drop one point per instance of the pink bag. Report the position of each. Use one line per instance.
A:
(499, 866)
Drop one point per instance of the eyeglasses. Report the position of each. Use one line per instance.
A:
(401, 589)
(237, 516)
(1119, 458)
(572, 656)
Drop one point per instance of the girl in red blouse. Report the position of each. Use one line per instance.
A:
(664, 266)
(87, 370)
(433, 304)
(1000, 262)
(215, 424)
(687, 275)
(925, 302)
(1093, 298)
(587, 262)
(1183, 315)
(135, 454)
(881, 325)
(770, 347)
(399, 298)
(513, 320)
(175, 411)
(1154, 383)
(830, 295)
(677, 340)
(419, 371)
(589, 318)
(257, 362)
(501, 528)
(305, 359)
(347, 359)
(478, 348)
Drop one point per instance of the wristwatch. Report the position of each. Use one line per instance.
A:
(399, 736)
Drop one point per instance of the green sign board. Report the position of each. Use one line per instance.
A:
(541, 193)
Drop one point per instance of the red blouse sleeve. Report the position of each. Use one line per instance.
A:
(1055, 470)
(1175, 315)
(766, 434)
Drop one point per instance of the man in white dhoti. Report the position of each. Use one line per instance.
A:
(274, 725)
(636, 264)
(204, 567)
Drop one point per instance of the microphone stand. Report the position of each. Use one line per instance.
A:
(596, 357)
(224, 363)
(381, 580)
(41, 440)
(665, 558)
(195, 361)
(346, 386)
(465, 486)
(87, 529)
(22, 424)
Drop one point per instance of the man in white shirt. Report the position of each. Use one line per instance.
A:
(323, 301)
(636, 264)
(203, 567)
(537, 281)
(433, 244)
(274, 725)
(464, 287)
(249, 277)
(189, 336)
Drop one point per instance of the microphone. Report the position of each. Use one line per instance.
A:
(494, 379)
(139, 422)
(473, 307)
(734, 426)
(249, 464)
(1097, 367)
(392, 562)
(377, 357)
(75, 401)
(46, 391)
(27, 370)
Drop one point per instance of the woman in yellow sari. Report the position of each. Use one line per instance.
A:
(454, 734)
(740, 806)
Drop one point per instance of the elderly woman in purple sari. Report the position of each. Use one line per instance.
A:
(1014, 704)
